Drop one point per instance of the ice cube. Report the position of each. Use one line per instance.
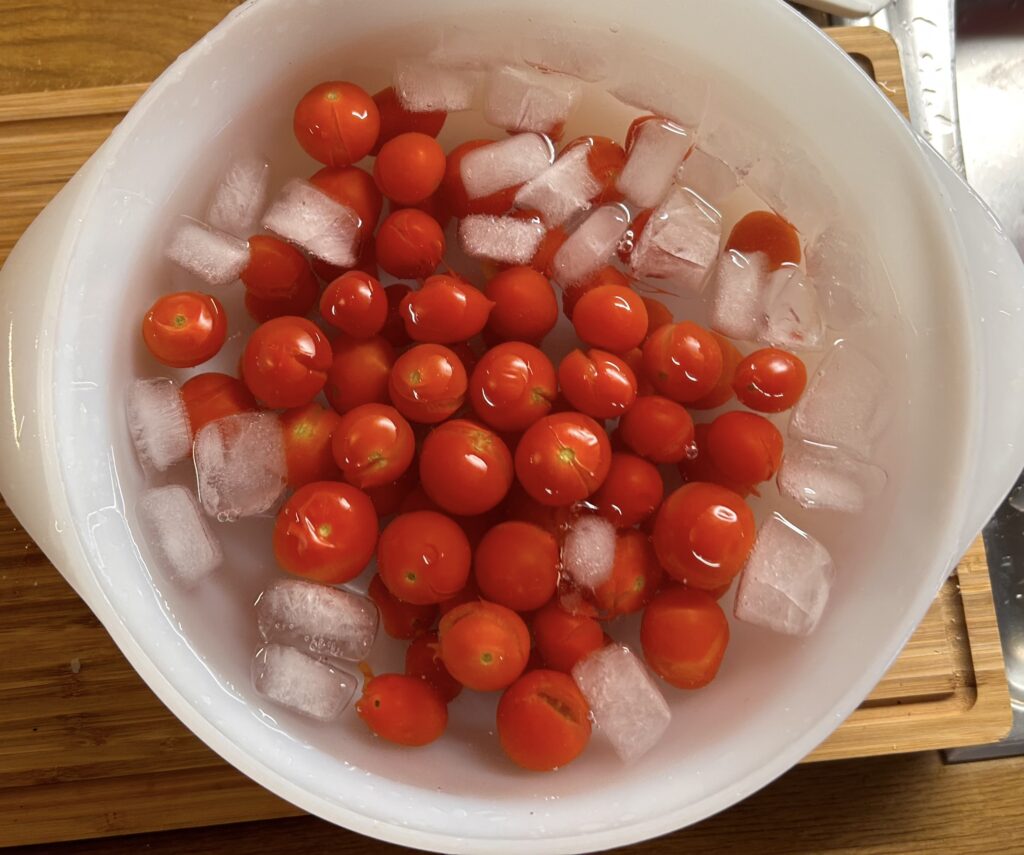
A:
(240, 465)
(737, 301)
(310, 218)
(835, 263)
(240, 197)
(663, 89)
(679, 242)
(653, 160)
(563, 189)
(625, 701)
(423, 86)
(588, 552)
(792, 314)
(508, 240)
(785, 584)
(503, 164)
(158, 422)
(214, 256)
(708, 176)
(844, 404)
(583, 52)
(317, 619)
(302, 684)
(789, 182)
(456, 46)
(591, 245)
(522, 99)
(822, 477)
(176, 531)
(734, 143)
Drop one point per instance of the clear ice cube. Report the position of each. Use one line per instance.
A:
(737, 295)
(302, 684)
(523, 99)
(663, 89)
(214, 256)
(508, 240)
(588, 551)
(422, 86)
(239, 198)
(503, 164)
(317, 619)
(708, 176)
(158, 422)
(240, 465)
(824, 478)
(304, 215)
(582, 52)
(653, 160)
(176, 531)
(792, 312)
(591, 245)
(626, 703)
(835, 263)
(563, 189)
(786, 582)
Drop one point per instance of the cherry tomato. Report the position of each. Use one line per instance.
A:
(703, 534)
(767, 232)
(387, 498)
(402, 709)
(395, 119)
(544, 257)
(422, 660)
(606, 275)
(453, 191)
(286, 361)
(355, 304)
(428, 383)
(484, 645)
(699, 465)
(444, 310)
(745, 447)
(213, 396)
(658, 314)
(769, 380)
(423, 557)
(658, 429)
(372, 445)
(683, 361)
(185, 329)
(512, 386)
(297, 305)
(631, 492)
(684, 633)
(326, 532)
(336, 123)
(410, 244)
(563, 639)
(520, 505)
(307, 444)
(516, 565)
(635, 577)
(543, 721)
(465, 468)
(635, 360)
(409, 168)
(597, 383)
(563, 458)
(524, 308)
(400, 619)
(276, 269)
(722, 391)
(611, 317)
(605, 157)
(359, 372)
(394, 326)
(355, 189)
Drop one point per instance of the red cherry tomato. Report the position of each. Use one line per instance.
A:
(372, 445)
(658, 314)
(563, 639)
(722, 391)
(699, 466)
(422, 660)
(428, 383)
(307, 444)
(297, 305)
(286, 361)
(444, 310)
(395, 119)
(276, 270)
(355, 304)
(703, 534)
(512, 386)
(543, 721)
(410, 244)
(468, 594)
(524, 308)
(683, 361)
(631, 492)
(359, 372)
(597, 383)
(387, 498)
(423, 557)
(336, 123)
(409, 168)
(606, 275)
(611, 317)
(402, 709)
(355, 189)
(326, 532)
(605, 159)
(745, 447)
(213, 396)
(563, 458)
(767, 232)
(684, 634)
(400, 619)
(465, 468)
(394, 326)
(770, 380)
(635, 577)
(485, 646)
(185, 329)
(453, 192)
(544, 257)
(516, 565)
(658, 429)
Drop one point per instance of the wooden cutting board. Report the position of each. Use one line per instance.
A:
(87, 750)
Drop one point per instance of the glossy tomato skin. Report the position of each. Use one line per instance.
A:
(336, 123)
(606, 275)
(388, 498)
(402, 709)
(427, 383)
(684, 634)
(611, 317)
(394, 326)
(465, 467)
(770, 380)
(355, 303)
(307, 444)
(423, 557)
(409, 167)
(485, 646)
(299, 304)
(213, 396)
(722, 392)
(410, 244)
(683, 361)
(563, 639)
(445, 310)
(658, 314)
(326, 532)
(400, 619)
(359, 372)
(355, 189)
(597, 383)
(745, 447)
(606, 159)
(700, 466)
(185, 329)
(373, 445)
(453, 191)
(513, 385)
(543, 721)
(703, 534)
(563, 458)
(422, 660)
(636, 575)
(276, 270)
(525, 308)
(395, 119)
(658, 429)
(766, 232)
(632, 491)
(286, 361)
(516, 564)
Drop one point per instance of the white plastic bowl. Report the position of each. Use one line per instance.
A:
(74, 288)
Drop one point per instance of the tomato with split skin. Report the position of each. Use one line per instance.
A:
(307, 444)
(427, 383)
(372, 445)
(410, 244)
(513, 385)
(444, 310)
(286, 361)
(336, 122)
(597, 383)
(563, 458)
(465, 467)
(423, 557)
(359, 372)
(355, 303)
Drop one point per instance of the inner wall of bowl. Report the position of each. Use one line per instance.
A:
(773, 693)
